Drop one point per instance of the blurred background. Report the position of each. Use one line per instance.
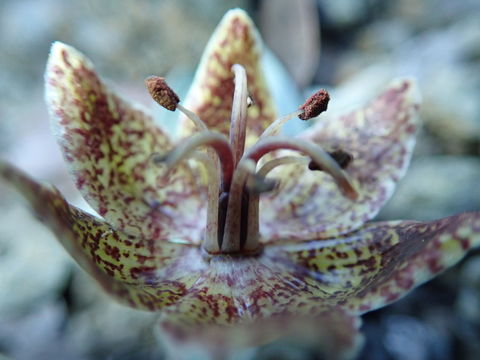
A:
(49, 309)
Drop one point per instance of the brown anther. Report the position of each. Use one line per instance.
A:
(157, 158)
(161, 92)
(342, 158)
(250, 101)
(315, 105)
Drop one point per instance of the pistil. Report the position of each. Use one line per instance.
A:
(232, 238)
(238, 121)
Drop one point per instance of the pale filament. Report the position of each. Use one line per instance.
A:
(199, 123)
(274, 127)
(315, 152)
(211, 243)
(284, 160)
(218, 142)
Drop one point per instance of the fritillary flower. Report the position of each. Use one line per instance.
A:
(231, 231)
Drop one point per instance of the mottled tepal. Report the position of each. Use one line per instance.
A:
(233, 233)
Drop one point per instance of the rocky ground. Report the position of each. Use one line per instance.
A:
(49, 309)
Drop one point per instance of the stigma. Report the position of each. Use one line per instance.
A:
(235, 187)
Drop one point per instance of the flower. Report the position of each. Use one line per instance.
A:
(232, 238)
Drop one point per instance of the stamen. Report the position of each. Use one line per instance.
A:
(167, 98)
(218, 142)
(232, 237)
(161, 92)
(253, 231)
(315, 105)
(342, 158)
(252, 241)
(274, 127)
(211, 241)
(238, 121)
(317, 154)
(284, 160)
(199, 123)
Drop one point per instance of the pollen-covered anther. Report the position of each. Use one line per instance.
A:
(158, 159)
(315, 105)
(162, 93)
(342, 158)
(250, 100)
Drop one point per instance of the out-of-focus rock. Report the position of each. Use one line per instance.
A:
(436, 187)
(445, 63)
(346, 13)
(409, 338)
(468, 307)
(37, 334)
(111, 330)
(421, 15)
(171, 32)
(33, 266)
(468, 303)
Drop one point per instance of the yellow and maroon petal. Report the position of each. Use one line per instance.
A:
(242, 301)
(383, 261)
(107, 144)
(235, 41)
(144, 274)
(379, 137)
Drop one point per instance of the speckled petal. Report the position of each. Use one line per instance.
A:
(380, 137)
(107, 144)
(248, 301)
(383, 261)
(144, 274)
(235, 40)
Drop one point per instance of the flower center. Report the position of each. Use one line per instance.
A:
(234, 187)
